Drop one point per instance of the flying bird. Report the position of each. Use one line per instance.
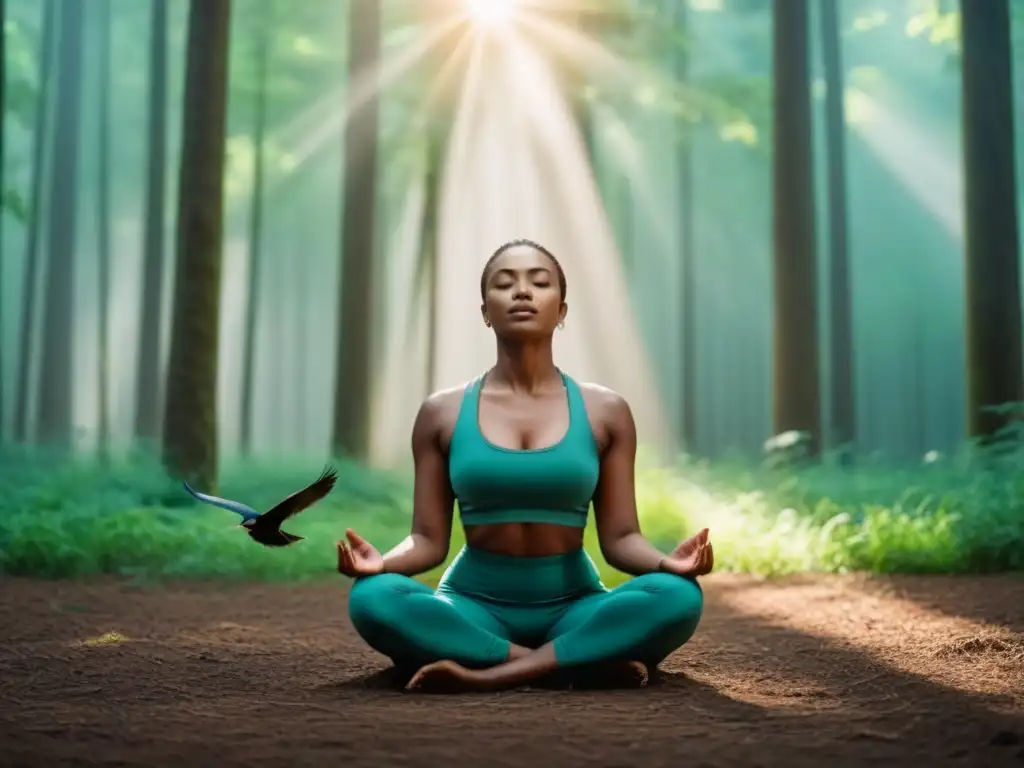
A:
(266, 528)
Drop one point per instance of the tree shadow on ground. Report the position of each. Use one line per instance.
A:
(992, 599)
(758, 685)
(854, 697)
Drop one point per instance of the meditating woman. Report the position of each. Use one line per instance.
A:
(524, 449)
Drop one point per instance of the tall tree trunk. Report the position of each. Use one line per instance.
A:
(994, 368)
(103, 223)
(3, 205)
(307, 247)
(440, 119)
(148, 375)
(255, 232)
(688, 293)
(190, 413)
(300, 258)
(278, 270)
(29, 290)
(843, 419)
(428, 245)
(796, 378)
(354, 361)
(55, 390)
(574, 78)
(919, 394)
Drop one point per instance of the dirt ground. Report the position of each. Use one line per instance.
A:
(801, 672)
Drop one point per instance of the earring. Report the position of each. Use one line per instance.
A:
(561, 323)
(487, 323)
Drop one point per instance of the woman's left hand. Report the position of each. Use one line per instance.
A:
(694, 557)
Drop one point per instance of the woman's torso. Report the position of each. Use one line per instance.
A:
(532, 459)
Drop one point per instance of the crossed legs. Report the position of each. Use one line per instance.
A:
(643, 620)
(410, 623)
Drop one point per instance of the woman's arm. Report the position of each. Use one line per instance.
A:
(426, 546)
(618, 528)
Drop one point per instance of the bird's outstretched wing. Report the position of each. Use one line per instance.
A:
(300, 500)
(247, 513)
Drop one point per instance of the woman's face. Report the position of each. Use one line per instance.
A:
(522, 294)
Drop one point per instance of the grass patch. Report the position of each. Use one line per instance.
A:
(77, 518)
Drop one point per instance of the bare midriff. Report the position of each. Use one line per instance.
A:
(524, 539)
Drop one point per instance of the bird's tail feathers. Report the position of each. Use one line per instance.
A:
(247, 512)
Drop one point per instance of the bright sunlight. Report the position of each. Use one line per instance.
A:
(491, 13)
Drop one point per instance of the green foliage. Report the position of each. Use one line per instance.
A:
(20, 73)
(949, 514)
(74, 518)
(964, 513)
(306, 48)
(934, 21)
(930, 20)
(652, 37)
(19, 99)
(14, 204)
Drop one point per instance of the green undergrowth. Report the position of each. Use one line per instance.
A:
(78, 518)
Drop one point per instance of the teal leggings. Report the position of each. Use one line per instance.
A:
(486, 602)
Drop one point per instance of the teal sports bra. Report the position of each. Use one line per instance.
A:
(505, 485)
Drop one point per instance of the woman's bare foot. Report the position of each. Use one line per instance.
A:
(516, 652)
(444, 676)
(448, 676)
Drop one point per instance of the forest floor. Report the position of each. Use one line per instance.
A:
(803, 671)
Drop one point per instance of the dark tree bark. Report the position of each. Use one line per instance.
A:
(843, 417)
(796, 372)
(150, 361)
(190, 413)
(29, 290)
(354, 359)
(55, 390)
(3, 203)
(994, 369)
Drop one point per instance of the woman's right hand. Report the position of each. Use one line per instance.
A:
(358, 557)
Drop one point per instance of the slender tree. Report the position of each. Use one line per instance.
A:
(190, 413)
(3, 210)
(150, 360)
(262, 56)
(428, 244)
(994, 366)
(29, 290)
(103, 221)
(796, 374)
(361, 148)
(843, 417)
(688, 294)
(440, 116)
(302, 259)
(55, 390)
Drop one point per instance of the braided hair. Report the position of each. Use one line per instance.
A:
(513, 244)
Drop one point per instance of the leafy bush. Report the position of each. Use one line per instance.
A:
(79, 517)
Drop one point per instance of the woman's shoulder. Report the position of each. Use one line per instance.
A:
(441, 408)
(604, 403)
